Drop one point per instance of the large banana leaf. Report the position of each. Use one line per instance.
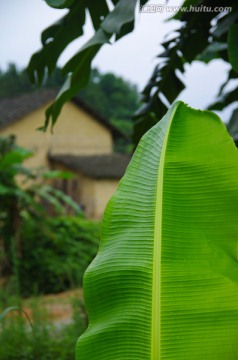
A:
(164, 284)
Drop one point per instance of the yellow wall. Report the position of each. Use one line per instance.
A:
(103, 190)
(90, 193)
(86, 195)
(28, 137)
(75, 133)
(94, 194)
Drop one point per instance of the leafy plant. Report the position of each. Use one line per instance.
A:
(107, 23)
(56, 255)
(23, 197)
(206, 31)
(164, 284)
(14, 81)
(47, 341)
(16, 308)
(203, 34)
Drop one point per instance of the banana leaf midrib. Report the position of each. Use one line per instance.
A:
(156, 303)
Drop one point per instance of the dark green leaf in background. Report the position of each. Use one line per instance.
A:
(232, 46)
(60, 4)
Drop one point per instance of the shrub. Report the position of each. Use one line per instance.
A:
(46, 341)
(55, 254)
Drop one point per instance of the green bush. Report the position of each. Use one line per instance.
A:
(55, 253)
(46, 341)
(39, 253)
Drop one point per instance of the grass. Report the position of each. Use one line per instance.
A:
(57, 320)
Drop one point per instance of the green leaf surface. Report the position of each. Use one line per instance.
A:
(119, 21)
(97, 10)
(187, 4)
(14, 157)
(4, 190)
(78, 60)
(58, 174)
(122, 15)
(60, 4)
(232, 46)
(54, 40)
(196, 38)
(143, 2)
(164, 284)
(225, 100)
(80, 66)
(224, 24)
(173, 87)
(232, 125)
(231, 75)
(212, 52)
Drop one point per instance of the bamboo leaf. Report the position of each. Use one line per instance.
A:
(164, 284)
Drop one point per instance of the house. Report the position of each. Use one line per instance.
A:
(82, 141)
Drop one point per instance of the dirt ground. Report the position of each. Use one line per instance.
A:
(57, 308)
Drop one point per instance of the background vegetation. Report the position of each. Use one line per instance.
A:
(42, 250)
(201, 34)
(40, 338)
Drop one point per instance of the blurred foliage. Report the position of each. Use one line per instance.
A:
(46, 341)
(15, 82)
(39, 251)
(108, 24)
(55, 254)
(112, 96)
(200, 35)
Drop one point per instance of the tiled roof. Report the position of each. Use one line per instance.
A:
(108, 166)
(15, 108)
